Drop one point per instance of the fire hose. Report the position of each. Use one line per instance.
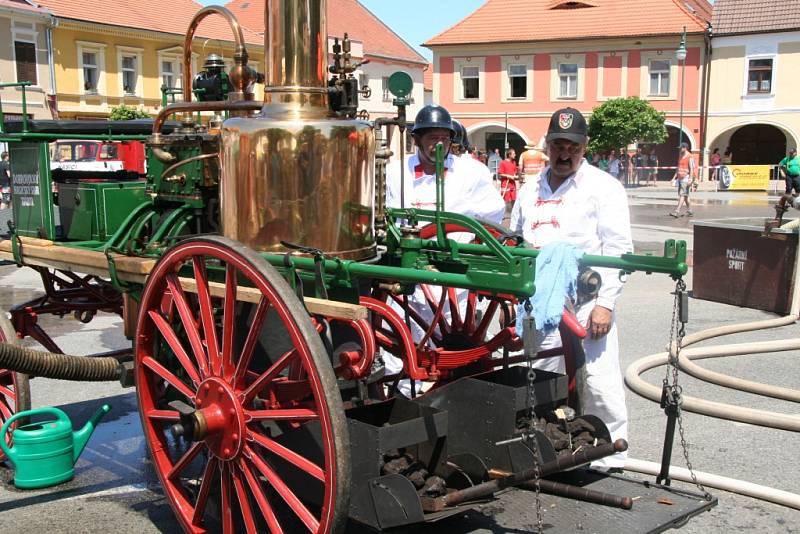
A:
(60, 366)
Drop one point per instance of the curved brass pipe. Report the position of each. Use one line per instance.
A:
(222, 105)
(240, 55)
(171, 168)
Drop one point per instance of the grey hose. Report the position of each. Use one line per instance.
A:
(60, 366)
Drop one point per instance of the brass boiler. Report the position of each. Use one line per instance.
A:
(294, 172)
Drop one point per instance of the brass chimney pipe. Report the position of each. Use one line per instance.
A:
(297, 46)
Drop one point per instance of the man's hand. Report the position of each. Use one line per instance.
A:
(599, 322)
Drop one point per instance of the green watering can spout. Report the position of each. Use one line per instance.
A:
(81, 437)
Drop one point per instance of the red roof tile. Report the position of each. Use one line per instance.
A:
(343, 16)
(546, 20)
(755, 16)
(154, 15)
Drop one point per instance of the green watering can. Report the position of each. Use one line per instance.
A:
(44, 453)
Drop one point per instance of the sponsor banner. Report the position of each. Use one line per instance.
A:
(744, 177)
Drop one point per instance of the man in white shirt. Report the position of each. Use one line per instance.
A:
(574, 202)
(468, 190)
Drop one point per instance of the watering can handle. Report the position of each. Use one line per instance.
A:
(60, 415)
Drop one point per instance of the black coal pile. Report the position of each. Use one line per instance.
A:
(400, 462)
(565, 435)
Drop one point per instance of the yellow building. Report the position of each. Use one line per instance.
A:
(752, 106)
(106, 54)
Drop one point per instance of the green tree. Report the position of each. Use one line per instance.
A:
(126, 113)
(622, 121)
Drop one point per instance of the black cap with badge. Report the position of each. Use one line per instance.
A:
(567, 123)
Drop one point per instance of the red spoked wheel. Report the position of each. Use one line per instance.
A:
(238, 399)
(451, 327)
(15, 391)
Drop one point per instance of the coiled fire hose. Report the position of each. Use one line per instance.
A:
(60, 366)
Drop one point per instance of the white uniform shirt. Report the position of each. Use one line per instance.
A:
(588, 210)
(468, 188)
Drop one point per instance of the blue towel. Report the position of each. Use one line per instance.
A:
(556, 279)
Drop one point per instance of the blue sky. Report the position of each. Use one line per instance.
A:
(415, 21)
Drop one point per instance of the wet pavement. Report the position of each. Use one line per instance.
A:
(116, 488)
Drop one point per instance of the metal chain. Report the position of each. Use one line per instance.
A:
(676, 334)
(534, 446)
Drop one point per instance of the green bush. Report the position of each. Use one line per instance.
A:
(126, 113)
(622, 121)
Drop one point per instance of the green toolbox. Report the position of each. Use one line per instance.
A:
(94, 210)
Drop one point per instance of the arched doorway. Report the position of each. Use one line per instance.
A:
(489, 136)
(667, 151)
(758, 144)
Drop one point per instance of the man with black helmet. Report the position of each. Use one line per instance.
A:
(468, 190)
(572, 201)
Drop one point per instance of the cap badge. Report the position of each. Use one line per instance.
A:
(564, 120)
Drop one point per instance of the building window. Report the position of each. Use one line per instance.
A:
(568, 80)
(363, 83)
(25, 56)
(387, 96)
(470, 83)
(91, 72)
(129, 74)
(518, 81)
(659, 77)
(759, 76)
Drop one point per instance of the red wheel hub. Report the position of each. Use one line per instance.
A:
(220, 418)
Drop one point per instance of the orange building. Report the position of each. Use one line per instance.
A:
(505, 68)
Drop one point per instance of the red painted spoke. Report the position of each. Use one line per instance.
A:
(268, 375)
(311, 522)
(5, 412)
(289, 455)
(469, 314)
(174, 343)
(188, 320)
(261, 499)
(205, 488)
(207, 313)
(227, 502)
(167, 375)
(164, 415)
(244, 503)
(7, 392)
(455, 313)
(185, 460)
(252, 338)
(228, 319)
(437, 316)
(289, 414)
(444, 328)
(416, 317)
(480, 332)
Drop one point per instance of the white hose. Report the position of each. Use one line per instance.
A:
(791, 225)
(733, 485)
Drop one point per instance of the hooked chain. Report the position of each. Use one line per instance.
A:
(676, 334)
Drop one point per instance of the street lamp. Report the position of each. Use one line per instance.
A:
(680, 55)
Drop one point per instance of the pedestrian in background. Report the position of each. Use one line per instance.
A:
(602, 162)
(507, 170)
(638, 160)
(789, 167)
(624, 166)
(5, 181)
(652, 162)
(494, 162)
(727, 157)
(613, 164)
(685, 178)
(532, 161)
(715, 160)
